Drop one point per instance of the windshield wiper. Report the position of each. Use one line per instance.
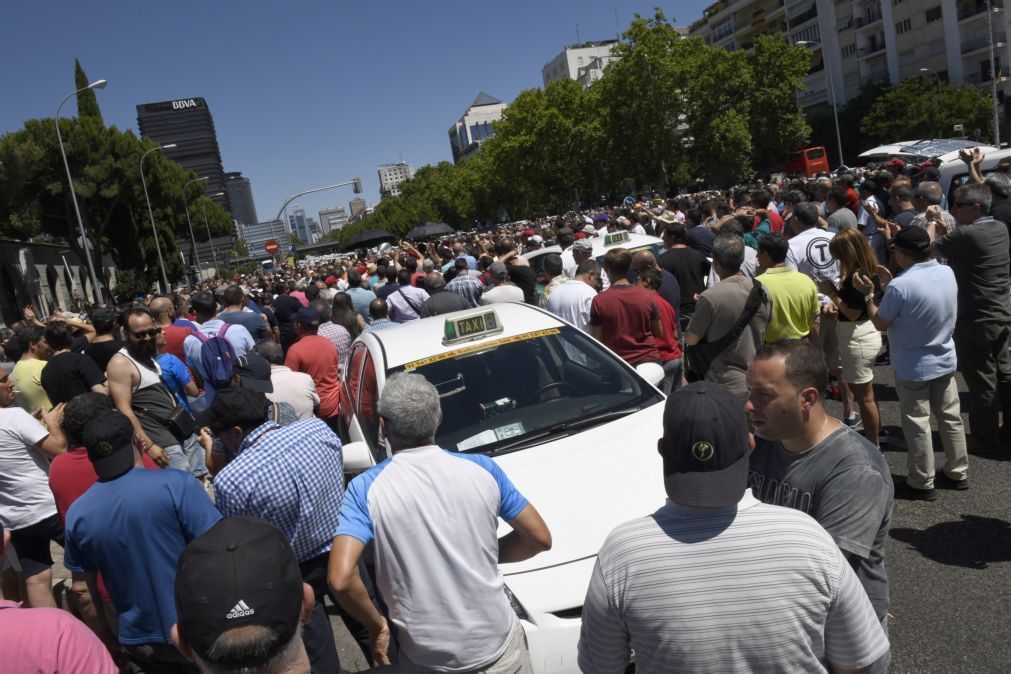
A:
(593, 420)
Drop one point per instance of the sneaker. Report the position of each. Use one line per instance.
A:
(854, 422)
(942, 481)
(906, 493)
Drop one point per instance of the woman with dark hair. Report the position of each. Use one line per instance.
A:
(859, 340)
(343, 313)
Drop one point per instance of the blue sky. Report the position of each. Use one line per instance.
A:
(303, 93)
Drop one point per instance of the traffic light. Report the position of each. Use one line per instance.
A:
(357, 185)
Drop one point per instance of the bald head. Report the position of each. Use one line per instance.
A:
(644, 259)
(162, 308)
(378, 309)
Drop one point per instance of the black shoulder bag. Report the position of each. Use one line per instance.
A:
(700, 356)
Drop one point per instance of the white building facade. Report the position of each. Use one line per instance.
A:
(584, 63)
(858, 42)
(333, 219)
(390, 177)
(475, 127)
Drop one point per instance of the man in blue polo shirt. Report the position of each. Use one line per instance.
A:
(918, 310)
(131, 526)
(425, 503)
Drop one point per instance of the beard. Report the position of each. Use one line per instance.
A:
(146, 350)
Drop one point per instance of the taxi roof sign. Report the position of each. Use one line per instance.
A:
(471, 325)
(614, 238)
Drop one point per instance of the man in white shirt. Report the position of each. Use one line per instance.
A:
(451, 613)
(809, 251)
(27, 508)
(571, 300)
(501, 289)
(295, 388)
(697, 586)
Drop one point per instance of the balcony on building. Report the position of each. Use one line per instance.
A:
(972, 9)
(871, 17)
(982, 43)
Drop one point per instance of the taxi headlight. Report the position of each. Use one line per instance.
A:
(521, 612)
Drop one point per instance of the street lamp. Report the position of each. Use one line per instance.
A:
(154, 230)
(934, 73)
(85, 248)
(189, 223)
(203, 207)
(990, 9)
(357, 182)
(831, 90)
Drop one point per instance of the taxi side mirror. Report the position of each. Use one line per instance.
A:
(357, 457)
(651, 372)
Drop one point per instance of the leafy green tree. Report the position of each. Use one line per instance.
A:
(240, 249)
(921, 108)
(777, 123)
(851, 115)
(641, 102)
(87, 102)
(294, 240)
(105, 164)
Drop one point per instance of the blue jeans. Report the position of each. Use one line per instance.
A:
(189, 457)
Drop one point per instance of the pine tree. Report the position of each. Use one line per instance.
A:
(87, 102)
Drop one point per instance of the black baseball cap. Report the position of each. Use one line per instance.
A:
(109, 440)
(308, 317)
(704, 447)
(254, 371)
(913, 239)
(232, 406)
(240, 572)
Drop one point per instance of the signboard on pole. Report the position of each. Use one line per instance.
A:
(272, 247)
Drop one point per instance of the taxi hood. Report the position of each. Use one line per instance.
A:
(587, 483)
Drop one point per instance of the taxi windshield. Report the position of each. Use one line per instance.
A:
(522, 390)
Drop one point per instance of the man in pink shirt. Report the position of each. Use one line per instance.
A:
(317, 357)
(48, 640)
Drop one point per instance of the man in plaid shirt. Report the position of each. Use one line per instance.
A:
(293, 477)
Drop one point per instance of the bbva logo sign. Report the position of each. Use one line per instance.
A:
(186, 103)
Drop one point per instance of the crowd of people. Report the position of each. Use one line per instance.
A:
(185, 448)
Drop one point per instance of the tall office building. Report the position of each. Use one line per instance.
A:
(297, 224)
(466, 136)
(188, 123)
(258, 234)
(313, 228)
(858, 42)
(240, 195)
(357, 206)
(582, 62)
(333, 219)
(390, 177)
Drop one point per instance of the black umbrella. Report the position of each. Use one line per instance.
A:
(368, 238)
(428, 230)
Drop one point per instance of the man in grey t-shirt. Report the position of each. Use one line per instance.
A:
(840, 217)
(809, 461)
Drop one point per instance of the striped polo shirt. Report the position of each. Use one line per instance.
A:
(754, 588)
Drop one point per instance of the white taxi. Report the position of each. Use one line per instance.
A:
(602, 243)
(572, 425)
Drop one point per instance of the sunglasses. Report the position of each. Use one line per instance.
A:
(152, 333)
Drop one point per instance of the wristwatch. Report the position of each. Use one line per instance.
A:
(868, 298)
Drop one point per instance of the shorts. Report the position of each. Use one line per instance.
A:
(188, 457)
(859, 344)
(827, 342)
(32, 544)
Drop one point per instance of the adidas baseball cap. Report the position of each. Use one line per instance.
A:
(240, 572)
(704, 447)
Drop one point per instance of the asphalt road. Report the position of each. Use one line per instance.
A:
(949, 566)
